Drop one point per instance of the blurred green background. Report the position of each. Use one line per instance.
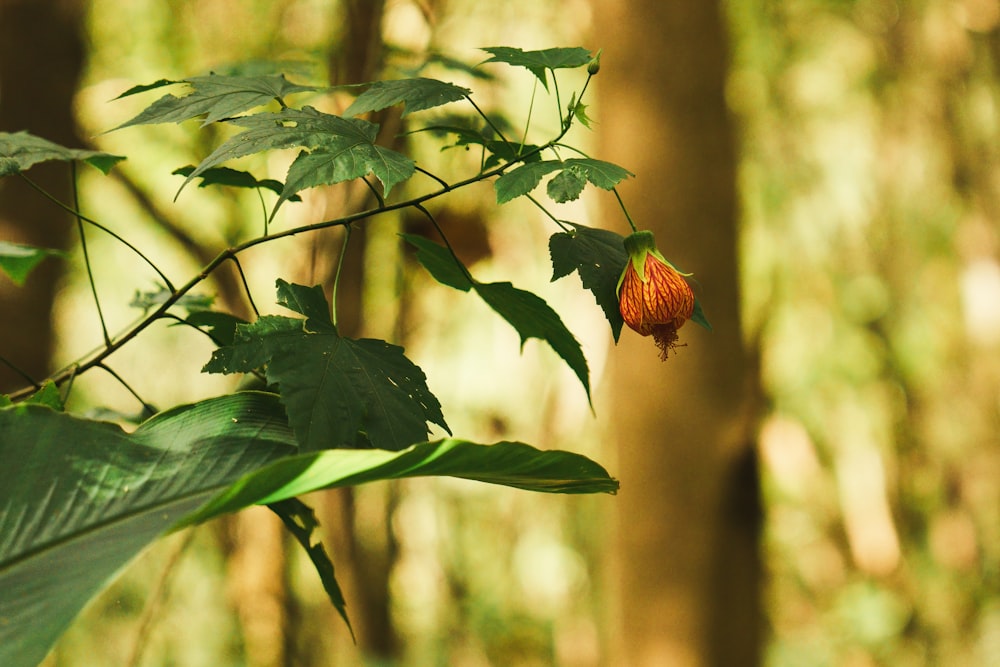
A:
(866, 199)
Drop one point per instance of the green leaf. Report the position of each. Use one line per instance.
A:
(343, 160)
(301, 522)
(20, 150)
(234, 178)
(537, 62)
(220, 326)
(580, 113)
(135, 90)
(522, 180)
(79, 499)
(533, 318)
(566, 185)
(417, 94)
(525, 178)
(338, 392)
(17, 260)
(439, 263)
(48, 396)
(216, 97)
(698, 315)
(191, 302)
(599, 257)
(512, 464)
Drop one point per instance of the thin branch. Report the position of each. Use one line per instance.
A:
(447, 243)
(80, 217)
(147, 408)
(12, 366)
(336, 275)
(86, 255)
(246, 286)
(546, 211)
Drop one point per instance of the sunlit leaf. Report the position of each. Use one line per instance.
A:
(20, 150)
(48, 395)
(598, 255)
(17, 260)
(216, 97)
(416, 94)
(525, 178)
(537, 62)
(79, 499)
(512, 464)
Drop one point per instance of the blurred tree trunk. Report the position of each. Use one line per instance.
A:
(41, 57)
(687, 563)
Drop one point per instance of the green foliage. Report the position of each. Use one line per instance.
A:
(20, 151)
(338, 392)
(599, 257)
(80, 497)
(17, 260)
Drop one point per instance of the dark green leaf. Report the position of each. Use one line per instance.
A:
(417, 94)
(439, 263)
(533, 318)
(234, 178)
(511, 464)
(566, 185)
(20, 150)
(220, 326)
(605, 175)
(338, 392)
(79, 499)
(537, 62)
(301, 522)
(17, 260)
(217, 97)
(135, 90)
(308, 301)
(599, 257)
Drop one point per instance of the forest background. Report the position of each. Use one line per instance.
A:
(813, 483)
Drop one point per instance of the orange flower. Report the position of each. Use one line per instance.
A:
(653, 296)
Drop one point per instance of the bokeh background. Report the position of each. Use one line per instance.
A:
(816, 482)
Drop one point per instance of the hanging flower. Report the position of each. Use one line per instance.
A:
(653, 297)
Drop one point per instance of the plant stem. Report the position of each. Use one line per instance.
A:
(86, 255)
(336, 275)
(625, 210)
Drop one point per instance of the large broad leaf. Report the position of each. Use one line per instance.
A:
(20, 150)
(417, 94)
(598, 255)
(17, 260)
(513, 464)
(339, 392)
(537, 62)
(216, 97)
(79, 499)
(526, 312)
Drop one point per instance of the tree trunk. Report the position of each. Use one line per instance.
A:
(41, 56)
(687, 563)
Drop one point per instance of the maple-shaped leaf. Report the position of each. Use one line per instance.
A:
(598, 255)
(215, 96)
(416, 94)
(338, 392)
(525, 178)
(537, 62)
(566, 185)
(20, 150)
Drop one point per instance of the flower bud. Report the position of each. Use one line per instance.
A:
(594, 66)
(653, 296)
